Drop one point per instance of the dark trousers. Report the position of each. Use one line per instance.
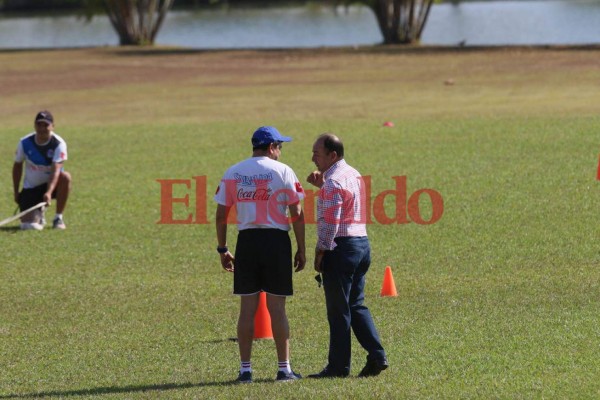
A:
(30, 197)
(344, 270)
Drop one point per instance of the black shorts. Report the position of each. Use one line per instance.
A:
(31, 197)
(263, 262)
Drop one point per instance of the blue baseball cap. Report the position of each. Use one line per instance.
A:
(266, 135)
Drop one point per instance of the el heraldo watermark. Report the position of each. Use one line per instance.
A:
(390, 206)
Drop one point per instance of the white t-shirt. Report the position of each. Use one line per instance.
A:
(39, 158)
(261, 190)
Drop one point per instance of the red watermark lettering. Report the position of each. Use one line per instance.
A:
(167, 200)
(260, 196)
(280, 201)
(309, 208)
(271, 206)
(437, 206)
(399, 194)
(201, 197)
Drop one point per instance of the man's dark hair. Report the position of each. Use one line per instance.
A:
(333, 143)
(264, 147)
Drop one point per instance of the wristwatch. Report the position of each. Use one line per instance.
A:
(222, 250)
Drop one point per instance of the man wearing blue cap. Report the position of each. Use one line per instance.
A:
(262, 190)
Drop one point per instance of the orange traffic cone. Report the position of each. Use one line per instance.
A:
(262, 319)
(389, 287)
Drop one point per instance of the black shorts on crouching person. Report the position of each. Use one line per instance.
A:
(263, 261)
(34, 196)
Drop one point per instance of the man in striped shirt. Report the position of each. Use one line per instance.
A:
(343, 257)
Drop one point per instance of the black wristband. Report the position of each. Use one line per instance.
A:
(222, 250)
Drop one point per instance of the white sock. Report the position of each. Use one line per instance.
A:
(58, 216)
(245, 366)
(285, 366)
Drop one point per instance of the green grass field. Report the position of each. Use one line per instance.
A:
(499, 299)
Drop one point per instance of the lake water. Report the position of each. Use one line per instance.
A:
(476, 23)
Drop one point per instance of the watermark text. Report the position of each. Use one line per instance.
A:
(402, 208)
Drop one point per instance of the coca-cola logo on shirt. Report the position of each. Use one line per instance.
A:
(253, 187)
(259, 194)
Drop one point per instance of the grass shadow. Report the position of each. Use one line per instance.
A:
(10, 229)
(216, 341)
(118, 390)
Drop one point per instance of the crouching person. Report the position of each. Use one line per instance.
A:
(43, 152)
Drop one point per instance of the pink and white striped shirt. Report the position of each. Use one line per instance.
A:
(341, 205)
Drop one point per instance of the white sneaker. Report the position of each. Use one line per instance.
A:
(43, 217)
(25, 226)
(58, 223)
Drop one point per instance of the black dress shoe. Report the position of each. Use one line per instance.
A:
(373, 368)
(328, 373)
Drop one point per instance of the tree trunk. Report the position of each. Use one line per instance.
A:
(401, 21)
(137, 21)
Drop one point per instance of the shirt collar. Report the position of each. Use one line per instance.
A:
(46, 142)
(333, 168)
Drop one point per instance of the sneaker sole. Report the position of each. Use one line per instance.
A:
(32, 228)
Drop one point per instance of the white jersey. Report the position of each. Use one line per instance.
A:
(261, 190)
(39, 158)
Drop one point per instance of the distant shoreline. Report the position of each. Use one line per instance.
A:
(378, 48)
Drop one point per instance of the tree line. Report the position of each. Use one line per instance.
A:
(137, 22)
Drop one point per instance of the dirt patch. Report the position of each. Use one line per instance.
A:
(37, 71)
(126, 83)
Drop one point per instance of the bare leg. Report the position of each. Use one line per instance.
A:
(245, 327)
(280, 326)
(63, 188)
